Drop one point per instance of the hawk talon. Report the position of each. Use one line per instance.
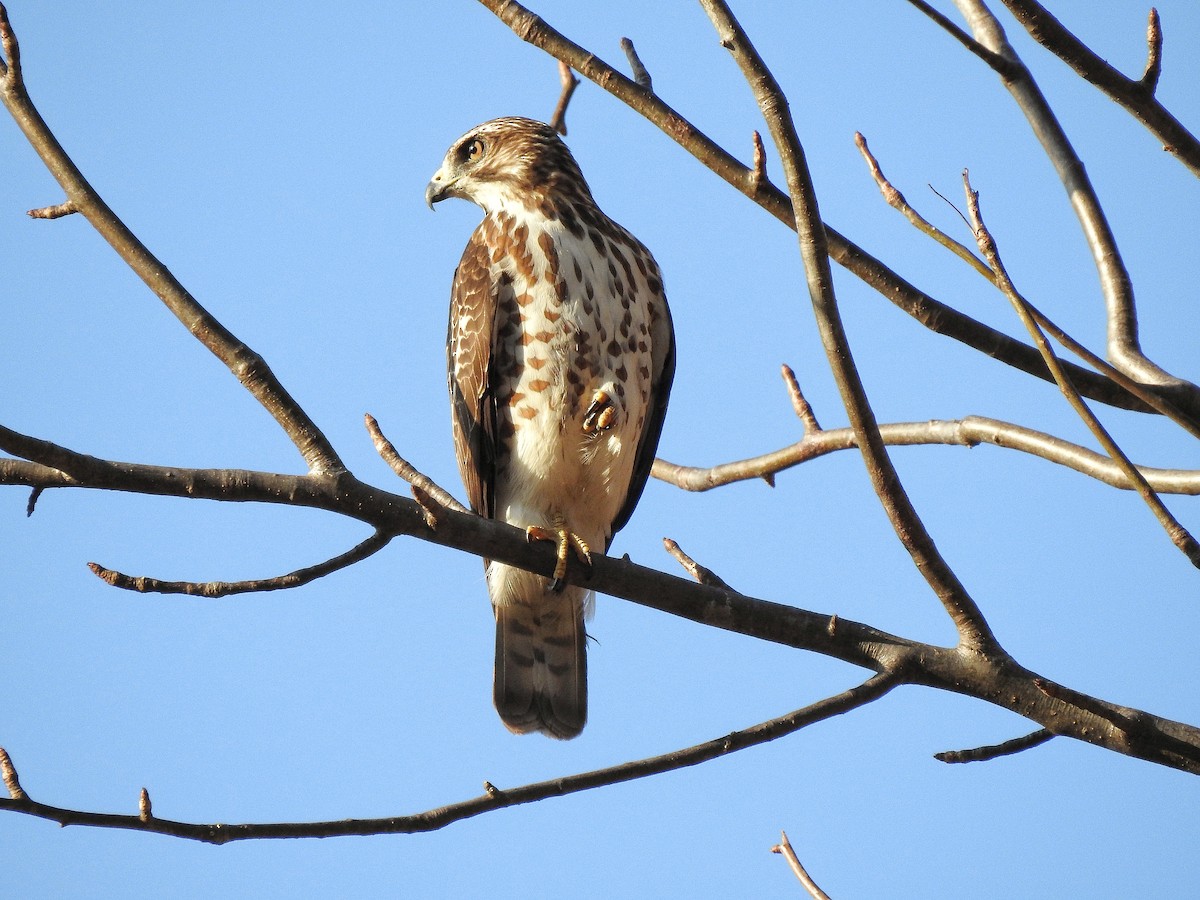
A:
(565, 541)
(600, 414)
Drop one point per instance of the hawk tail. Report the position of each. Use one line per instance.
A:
(541, 660)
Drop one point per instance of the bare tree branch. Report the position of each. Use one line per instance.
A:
(1135, 95)
(973, 628)
(896, 200)
(994, 751)
(247, 366)
(969, 431)
(987, 246)
(1124, 350)
(994, 678)
(492, 799)
(214, 589)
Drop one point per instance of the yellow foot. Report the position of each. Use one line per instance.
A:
(600, 413)
(566, 541)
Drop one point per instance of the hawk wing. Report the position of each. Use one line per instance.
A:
(663, 373)
(473, 301)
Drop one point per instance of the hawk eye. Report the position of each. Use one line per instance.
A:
(474, 150)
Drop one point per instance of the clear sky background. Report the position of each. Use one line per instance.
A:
(275, 155)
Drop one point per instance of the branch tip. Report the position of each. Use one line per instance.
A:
(7, 770)
(558, 121)
(702, 574)
(758, 170)
(10, 66)
(1154, 45)
(145, 810)
(640, 75)
(784, 847)
(34, 495)
(994, 751)
(54, 212)
(801, 406)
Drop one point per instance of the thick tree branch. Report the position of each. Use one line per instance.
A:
(995, 679)
(246, 365)
(933, 314)
(1135, 95)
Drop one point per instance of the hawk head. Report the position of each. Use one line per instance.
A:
(507, 162)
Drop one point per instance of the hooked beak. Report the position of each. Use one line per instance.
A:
(438, 189)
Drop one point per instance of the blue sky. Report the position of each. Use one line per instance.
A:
(275, 156)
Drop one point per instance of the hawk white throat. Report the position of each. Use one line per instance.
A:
(561, 356)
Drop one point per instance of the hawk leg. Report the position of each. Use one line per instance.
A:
(566, 541)
(600, 413)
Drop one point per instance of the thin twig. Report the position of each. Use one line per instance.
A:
(784, 847)
(987, 246)
(972, 627)
(493, 799)
(404, 469)
(896, 199)
(702, 574)
(7, 770)
(53, 212)
(34, 495)
(640, 76)
(558, 121)
(993, 751)
(214, 589)
(758, 168)
(801, 406)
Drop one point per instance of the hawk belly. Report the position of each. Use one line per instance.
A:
(569, 329)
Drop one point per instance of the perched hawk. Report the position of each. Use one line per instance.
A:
(561, 356)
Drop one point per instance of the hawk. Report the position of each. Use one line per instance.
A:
(561, 355)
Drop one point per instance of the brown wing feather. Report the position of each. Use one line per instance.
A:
(473, 300)
(663, 338)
